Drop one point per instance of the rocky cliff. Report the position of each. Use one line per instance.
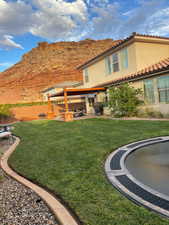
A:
(46, 65)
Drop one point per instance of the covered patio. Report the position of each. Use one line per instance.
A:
(82, 92)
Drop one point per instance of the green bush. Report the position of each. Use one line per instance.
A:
(166, 115)
(155, 114)
(149, 113)
(124, 100)
(5, 113)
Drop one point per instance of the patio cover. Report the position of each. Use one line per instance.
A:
(76, 91)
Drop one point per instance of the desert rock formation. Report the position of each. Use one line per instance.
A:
(46, 65)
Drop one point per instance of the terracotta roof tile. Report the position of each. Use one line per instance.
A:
(150, 36)
(150, 70)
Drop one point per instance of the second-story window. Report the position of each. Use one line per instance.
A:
(86, 75)
(115, 62)
(124, 58)
(108, 65)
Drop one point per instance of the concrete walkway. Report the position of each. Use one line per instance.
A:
(121, 118)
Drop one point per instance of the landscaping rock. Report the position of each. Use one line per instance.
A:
(19, 205)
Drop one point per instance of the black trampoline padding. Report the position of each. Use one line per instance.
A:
(115, 161)
(142, 193)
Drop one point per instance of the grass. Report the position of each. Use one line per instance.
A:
(69, 159)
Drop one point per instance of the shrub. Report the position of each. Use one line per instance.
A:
(150, 113)
(153, 113)
(166, 115)
(124, 100)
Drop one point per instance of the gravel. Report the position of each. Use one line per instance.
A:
(19, 205)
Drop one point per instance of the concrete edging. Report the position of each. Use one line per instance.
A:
(60, 212)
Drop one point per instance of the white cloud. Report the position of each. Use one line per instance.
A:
(58, 19)
(62, 20)
(158, 23)
(15, 17)
(141, 18)
(106, 21)
(7, 42)
(49, 19)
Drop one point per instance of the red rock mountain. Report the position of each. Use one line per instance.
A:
(47, 65)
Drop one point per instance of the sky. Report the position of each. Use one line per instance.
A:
(24, 23)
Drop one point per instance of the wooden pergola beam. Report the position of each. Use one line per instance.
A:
(85, 89)
(77, 91)
(66, 100)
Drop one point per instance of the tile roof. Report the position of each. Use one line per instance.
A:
(161, 66)
(149, 36)
(119, 43)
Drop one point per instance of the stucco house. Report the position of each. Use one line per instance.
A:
(141, 60)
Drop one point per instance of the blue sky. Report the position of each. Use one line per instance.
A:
(24, 23)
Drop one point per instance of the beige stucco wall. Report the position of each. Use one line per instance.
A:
(138, 84)
(97, 71)
(150, 53)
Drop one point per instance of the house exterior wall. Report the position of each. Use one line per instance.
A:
(97, 71)
(147, 107)
(156, 106)
(142, 52)
(150, 53)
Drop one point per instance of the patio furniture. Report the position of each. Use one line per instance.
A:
(5, 132)
(78, 113)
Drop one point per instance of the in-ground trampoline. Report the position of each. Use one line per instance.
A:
(140, 171)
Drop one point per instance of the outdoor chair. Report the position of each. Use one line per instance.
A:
(78, 113)
(5, 132)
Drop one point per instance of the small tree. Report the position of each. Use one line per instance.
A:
(124, 100)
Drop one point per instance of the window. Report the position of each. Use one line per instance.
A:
(163, 89)
(108, 65)
(115, 62)
(124, 59)
(149, 91)
(86, 75)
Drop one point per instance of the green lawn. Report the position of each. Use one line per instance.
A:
(69, 159)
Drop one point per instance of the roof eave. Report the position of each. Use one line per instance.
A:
(131, 79)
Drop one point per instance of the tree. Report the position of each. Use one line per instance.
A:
(124, 100)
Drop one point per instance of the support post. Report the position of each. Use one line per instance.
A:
(66, 101)
(68, 116)
(50, 114)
